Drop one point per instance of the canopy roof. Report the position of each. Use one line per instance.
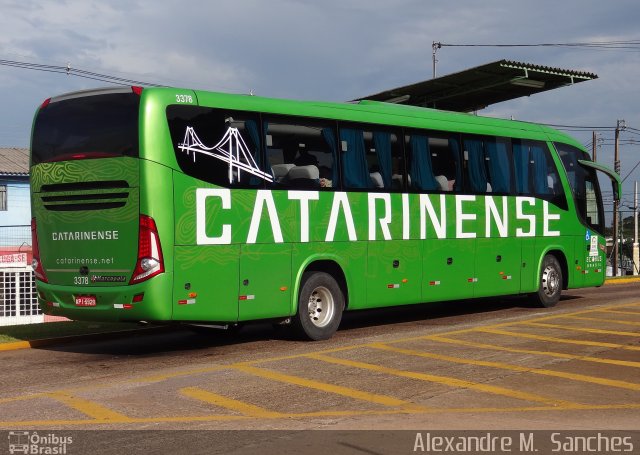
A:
(479, 87)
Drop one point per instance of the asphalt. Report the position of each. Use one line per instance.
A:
(103, 336)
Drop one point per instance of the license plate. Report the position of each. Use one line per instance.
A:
(86, 300)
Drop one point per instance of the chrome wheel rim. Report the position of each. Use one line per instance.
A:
(550, 281)
(321, 306)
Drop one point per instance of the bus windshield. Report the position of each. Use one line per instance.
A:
(584, 186)
(98, 126)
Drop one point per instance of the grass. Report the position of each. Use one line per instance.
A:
(29, 332)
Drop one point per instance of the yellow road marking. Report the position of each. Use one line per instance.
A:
(584, 329)
(448, 381)
(306, 415)
(615, 321)
(557, 340)
(179, 374)
(636, 313)
(87, 407)
(511, 367)
(228, 403)
(560, 355)
(493, 328)
(499, 325)
(325, 387)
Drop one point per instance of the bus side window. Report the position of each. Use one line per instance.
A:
(301, 153)
(445, 161)
(536, 172)
(371, 158)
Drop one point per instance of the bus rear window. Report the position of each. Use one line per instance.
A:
(94, 126)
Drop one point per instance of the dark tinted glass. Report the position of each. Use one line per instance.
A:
(584, 186)
(219, 146)
(87, 127)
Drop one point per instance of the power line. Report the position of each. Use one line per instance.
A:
(630, 44)
(70, 71)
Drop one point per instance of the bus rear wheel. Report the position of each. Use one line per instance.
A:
(550, 283)
(320, 307)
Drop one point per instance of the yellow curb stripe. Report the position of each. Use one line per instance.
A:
(87, 407)
(15, 346)
(231, 404)
(557, 340)
(622, 281)
(448, 381)
(584, 329)
(560, 355)
(322, 386)
(511, 367)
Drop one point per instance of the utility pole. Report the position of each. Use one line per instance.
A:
(594, 147)
(636, 249)
(620, 125)
(434, 48)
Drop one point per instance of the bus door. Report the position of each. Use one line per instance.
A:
(264, 284)
(591, 248)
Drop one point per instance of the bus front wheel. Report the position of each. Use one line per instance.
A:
(320, 307)
(550, 283)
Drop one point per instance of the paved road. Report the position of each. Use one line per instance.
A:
(483, 364)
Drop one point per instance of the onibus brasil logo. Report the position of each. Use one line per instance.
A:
(33, 443)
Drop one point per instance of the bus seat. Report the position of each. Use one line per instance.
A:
(443, 183)
(304, 176)
(376, 180)
(280, 171)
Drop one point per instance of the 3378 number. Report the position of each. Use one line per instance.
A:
(184, 98)
(80, 280)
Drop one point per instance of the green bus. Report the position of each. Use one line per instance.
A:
(173, 205)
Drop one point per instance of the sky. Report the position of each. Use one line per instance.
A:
(331, 50)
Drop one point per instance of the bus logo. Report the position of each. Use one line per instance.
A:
(18, 442)
(231, 149)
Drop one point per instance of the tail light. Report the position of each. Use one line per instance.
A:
(36, 263)
(150, 262)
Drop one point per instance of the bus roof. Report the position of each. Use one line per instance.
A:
(368, 111)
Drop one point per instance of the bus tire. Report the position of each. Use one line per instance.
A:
(550, 282)
(320, 307)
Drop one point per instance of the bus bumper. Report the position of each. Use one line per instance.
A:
(147, 301)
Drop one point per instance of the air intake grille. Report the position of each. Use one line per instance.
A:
(80, 196)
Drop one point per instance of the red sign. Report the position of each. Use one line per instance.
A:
(13, 260)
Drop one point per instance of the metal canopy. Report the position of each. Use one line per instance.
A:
(476, 88)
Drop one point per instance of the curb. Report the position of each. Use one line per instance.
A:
(615, 281)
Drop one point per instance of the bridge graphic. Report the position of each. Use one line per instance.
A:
(231, 149)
